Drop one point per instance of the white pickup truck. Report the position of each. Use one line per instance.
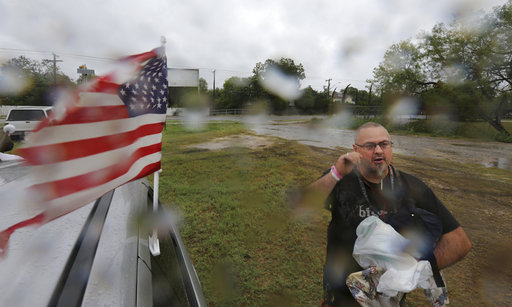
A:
(26, 118)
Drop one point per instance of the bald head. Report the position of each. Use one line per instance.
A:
(365, 126)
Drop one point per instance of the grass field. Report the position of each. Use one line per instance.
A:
(250, 248)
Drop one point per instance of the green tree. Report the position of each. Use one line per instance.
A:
(38, 78)
(203, 86)
(464, 67)
(475, 62)
(285, 65)
(323, 101)
(306, 103)
(235, 94)
(84, 78)
(277, 101)
(400, 72)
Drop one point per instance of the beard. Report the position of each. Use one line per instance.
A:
(379, 170)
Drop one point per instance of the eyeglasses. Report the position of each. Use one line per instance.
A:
(371, 146)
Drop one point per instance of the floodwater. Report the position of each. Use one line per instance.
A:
(489, 154)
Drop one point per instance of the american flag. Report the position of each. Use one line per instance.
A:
(103, 135)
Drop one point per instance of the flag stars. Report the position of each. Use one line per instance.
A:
(147, 93)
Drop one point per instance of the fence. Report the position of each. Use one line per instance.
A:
(228, 111)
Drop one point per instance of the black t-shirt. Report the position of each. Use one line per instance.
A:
(349, 206)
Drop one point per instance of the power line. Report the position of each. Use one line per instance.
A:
(13, 50)
(43, 52)
(106, 59)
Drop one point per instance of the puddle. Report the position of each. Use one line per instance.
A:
(502, 163)
(248, 141)
(489, 154)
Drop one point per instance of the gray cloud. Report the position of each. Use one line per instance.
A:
(332, 39)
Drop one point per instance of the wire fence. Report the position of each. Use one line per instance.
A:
(228, 111)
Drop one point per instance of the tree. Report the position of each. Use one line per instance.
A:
(306, 103)
(475, 61)
(203, 86)
(465, 67)
(263, 82)
(37, 78)
(235, 94)
(285, 65)
(84, 78)
(400, 72)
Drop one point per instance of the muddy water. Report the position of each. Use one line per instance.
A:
(490, 154)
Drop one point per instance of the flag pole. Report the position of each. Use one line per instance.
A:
(154, 244)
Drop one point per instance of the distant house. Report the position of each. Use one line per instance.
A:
(337, 97)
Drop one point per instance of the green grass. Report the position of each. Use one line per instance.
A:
(251, 249)
(238, 227)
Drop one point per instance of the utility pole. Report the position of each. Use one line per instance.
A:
(329, 101)
(54, 67)
(328, 85)
(214, 86)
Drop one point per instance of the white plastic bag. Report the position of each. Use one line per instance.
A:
(378, 244)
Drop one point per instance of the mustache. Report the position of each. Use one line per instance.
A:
(368, 164)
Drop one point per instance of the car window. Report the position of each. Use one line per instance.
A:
(19, 115)
(49, 112)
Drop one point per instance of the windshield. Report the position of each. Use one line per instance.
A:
(19, 115)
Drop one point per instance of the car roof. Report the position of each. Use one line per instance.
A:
(32, 108)
(70, 261)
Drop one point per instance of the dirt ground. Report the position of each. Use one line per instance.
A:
(480, 198)
(241, 140)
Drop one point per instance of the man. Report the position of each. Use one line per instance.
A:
(6, 143)
(363, 183)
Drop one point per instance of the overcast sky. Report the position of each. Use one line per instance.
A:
(332, 39)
